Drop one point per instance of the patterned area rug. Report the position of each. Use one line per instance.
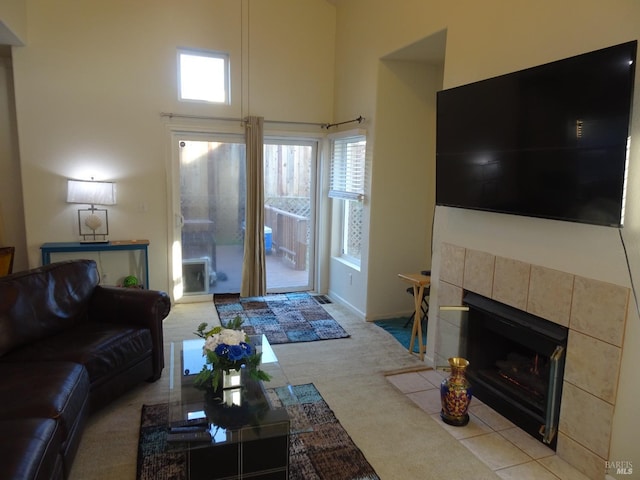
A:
(320, 450)
(283, 318)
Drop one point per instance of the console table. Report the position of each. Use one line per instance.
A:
(113, 246)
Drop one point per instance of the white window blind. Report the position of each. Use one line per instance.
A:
(348, 167)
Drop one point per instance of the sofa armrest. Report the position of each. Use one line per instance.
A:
(134, 307)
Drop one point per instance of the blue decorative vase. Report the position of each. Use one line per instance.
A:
(455, 394)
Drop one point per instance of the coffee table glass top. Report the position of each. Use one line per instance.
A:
(255, 408)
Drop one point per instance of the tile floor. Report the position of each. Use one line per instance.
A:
(510, 452)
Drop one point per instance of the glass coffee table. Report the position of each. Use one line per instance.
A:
(246, 435)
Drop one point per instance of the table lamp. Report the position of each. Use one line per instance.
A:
(93, 223)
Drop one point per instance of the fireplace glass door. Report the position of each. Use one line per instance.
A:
(516, 364)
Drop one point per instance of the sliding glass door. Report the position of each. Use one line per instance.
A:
(289, 194)
(212, 208)
(210, 221)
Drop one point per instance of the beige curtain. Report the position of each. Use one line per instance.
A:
(254, 279)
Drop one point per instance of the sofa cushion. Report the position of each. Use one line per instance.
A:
(37, 303)
(56, 390)
(104, 349)
(30, 449)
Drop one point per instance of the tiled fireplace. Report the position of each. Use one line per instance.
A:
(594, 312)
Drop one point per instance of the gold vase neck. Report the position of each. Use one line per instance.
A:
(458, 363)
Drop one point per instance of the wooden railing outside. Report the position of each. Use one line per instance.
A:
(289, 235)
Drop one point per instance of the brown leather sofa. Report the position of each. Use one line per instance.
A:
(68, 346)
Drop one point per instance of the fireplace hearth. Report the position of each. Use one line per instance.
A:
(516, 364)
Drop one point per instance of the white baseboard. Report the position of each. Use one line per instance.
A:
(338, 299)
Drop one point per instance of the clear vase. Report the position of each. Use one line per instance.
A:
(229, 390)
(233, 379)
(455, 394)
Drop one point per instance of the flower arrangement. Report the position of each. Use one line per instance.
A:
(225, 349)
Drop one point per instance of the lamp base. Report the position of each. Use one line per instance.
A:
(93, 225)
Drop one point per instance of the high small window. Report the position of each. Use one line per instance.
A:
(203, 76)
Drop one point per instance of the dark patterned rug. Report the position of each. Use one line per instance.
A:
(283, 318)
(320, 449)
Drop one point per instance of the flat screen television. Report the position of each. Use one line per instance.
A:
(550, 141)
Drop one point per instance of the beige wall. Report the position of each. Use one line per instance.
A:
(95, 76)
(11, 212)
(12, 231)
(486, 39)
(403, 187)
(13, 22)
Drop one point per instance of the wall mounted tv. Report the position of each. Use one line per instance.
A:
(549, 141)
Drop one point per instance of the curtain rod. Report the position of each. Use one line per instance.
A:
(230, 119)
(360, 119)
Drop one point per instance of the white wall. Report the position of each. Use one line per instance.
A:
(485, 39)
(95, 76)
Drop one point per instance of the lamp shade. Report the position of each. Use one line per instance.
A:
(92, 193)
